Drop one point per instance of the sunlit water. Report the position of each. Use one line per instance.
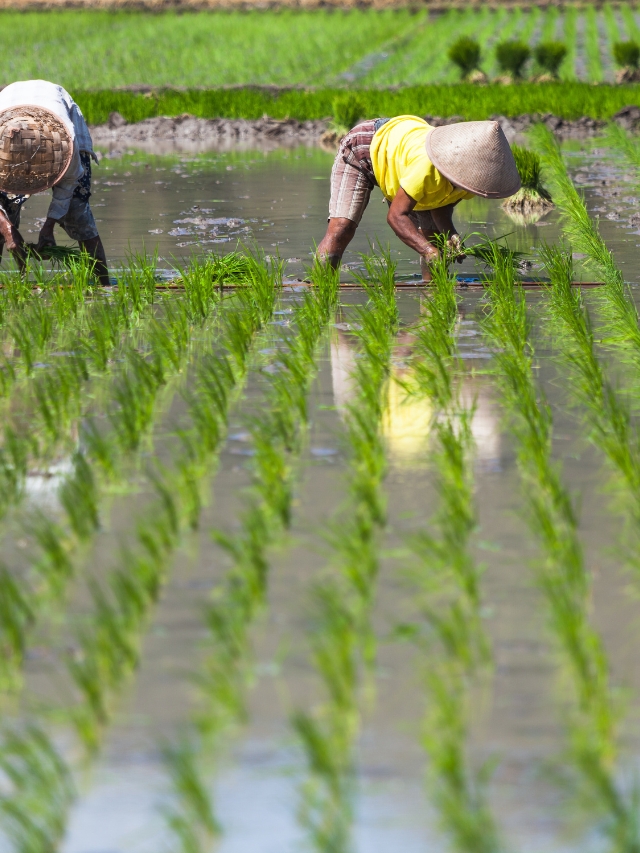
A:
(179, 206)
(279, 201)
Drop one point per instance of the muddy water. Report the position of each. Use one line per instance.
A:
(180, 206)
(517, 724)
(279, 200)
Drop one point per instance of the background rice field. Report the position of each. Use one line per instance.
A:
(100, 50)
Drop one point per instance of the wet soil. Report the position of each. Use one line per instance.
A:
(188, 134)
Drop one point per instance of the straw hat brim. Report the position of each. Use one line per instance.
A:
(475, 156)
(36, 149)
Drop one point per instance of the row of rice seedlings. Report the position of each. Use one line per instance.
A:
(103, 463)
(455, 651)
(132, 413)
(342, 640)
(592, 711)
(615, 301)
(107, 645)
(223, 679)
(121, 607)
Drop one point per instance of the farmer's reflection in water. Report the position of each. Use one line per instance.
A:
(407, 423)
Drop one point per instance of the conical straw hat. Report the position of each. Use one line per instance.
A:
(475, 156)
(35, 149)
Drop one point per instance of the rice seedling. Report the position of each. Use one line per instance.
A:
(31, 331)
(623, 142)
(135, 396)
(592, 716)
(191, 820)
(14, 454)
(108, 645)
(16, 618)
(40, 793)
(328, 736)
(342, 639)
(102, 336)
(445, 581)
(58, 255)
(54, 566)
(486, 250)
(120, 610)
(78, 496)
(57, 393)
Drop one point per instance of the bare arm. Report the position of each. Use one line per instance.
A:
(400, 221)
(443, 220)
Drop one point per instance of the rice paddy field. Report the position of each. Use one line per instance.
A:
(365, 47)
(289, 566)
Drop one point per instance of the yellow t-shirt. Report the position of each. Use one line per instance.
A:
(400, 159)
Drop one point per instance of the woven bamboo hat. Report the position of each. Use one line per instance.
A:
(35, 149)
(475, 156)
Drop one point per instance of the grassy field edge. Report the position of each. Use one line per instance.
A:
(566, 100)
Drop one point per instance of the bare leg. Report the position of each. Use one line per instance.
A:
(340, 232)
(95, 249)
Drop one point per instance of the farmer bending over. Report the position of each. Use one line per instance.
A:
(45, 143)
(423, 173)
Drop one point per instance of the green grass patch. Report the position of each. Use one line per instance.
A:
(568, 100)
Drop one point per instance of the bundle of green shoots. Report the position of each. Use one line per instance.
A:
(56, 254)
(532, 200)
(486, 251)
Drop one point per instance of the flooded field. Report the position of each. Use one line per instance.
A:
(278, 200)
(319, 509)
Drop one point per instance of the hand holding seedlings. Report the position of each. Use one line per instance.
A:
(423, 173)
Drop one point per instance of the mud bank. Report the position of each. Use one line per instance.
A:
(191, 135)
(188, 134)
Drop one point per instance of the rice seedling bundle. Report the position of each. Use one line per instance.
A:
(532, 199)
(550, 55)
(512, 56)
(465, 53)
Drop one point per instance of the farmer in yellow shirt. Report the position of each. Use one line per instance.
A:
(423, 173)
